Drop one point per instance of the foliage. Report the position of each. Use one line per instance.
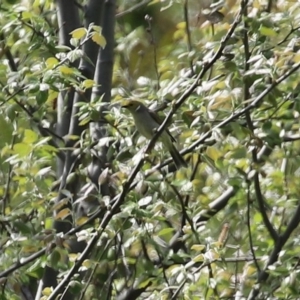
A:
(86, 197)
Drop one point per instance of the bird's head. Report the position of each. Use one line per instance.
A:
(131, 105)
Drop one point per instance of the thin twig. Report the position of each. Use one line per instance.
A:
(153, 43)
(279, 244)
(226, 260)
(249, 228)
(6, 196)
(189, 91)
(132, 8)
(247, 95)
(188, 33)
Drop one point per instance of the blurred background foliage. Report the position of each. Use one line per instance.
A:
(210, 231)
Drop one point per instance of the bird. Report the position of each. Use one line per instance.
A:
(147, 122)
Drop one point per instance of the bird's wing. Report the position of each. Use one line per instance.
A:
(159, 121)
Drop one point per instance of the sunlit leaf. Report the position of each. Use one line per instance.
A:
(78, 33)
(51, 62)
(88, 83)
(66, 70)
(63, 214)
(213, 153)
(88, 263)
(181, 25)
(99, 39)
(267, 31)
(166, 231)
(60, 204)
(22, 149)
(198, 248)
(29, 136)
(145, 201)
(199, 258)
(47, 291)
(26, 15)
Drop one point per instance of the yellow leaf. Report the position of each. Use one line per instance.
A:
(72, 137)
(296, 57)
(60, 204)
(181, 25)
(198, 258)
(66, 70)
(22, 149)
(29, 136)
(36, 4)
(29, 248)
(81, 220)
(250, 270)
(51, 62)
(52, 96)
(99, 39)
(213, 153)
(47, 291)
(267, 31)
(73, 256)
(217, 244)
(78, 33)
(178, 34)
(88, 263)
(88, 83)
(26, 15)
(198, 247)
(48, 223)
(7, 210)
(63, 214)
(220, 85)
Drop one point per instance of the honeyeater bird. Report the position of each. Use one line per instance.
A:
(147, 122)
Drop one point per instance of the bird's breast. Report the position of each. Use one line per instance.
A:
(145, 124)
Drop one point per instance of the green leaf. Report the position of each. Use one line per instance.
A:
(35, 270)
(6, 131)
(22, 149)
(75, 287)
(199, 258)
(166, 231)
(29, 136)
(267, 125)
(97, 28)
(26, 15)
(213, 153)
(268, 31)
(54, 258)
(22, 227)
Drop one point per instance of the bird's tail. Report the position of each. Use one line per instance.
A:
(177, 158)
